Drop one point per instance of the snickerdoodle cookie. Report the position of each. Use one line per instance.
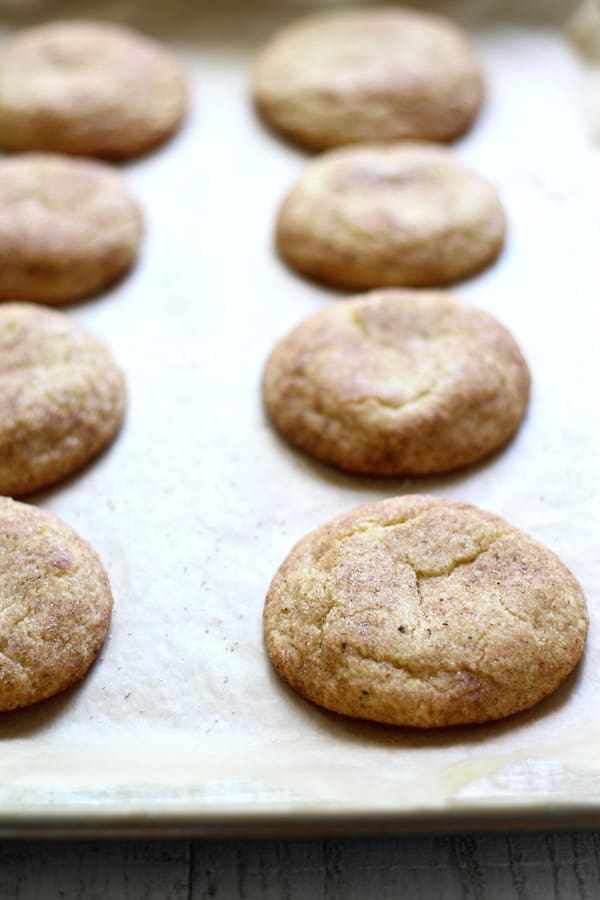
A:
(397, 382)
(68, 228)
(89, 89)
(62, 397)
(411, 215)
(55, 605)
(424, 612)
(382, 74)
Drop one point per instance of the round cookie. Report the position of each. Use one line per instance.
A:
(367, 75)
(89, 89)
(397, 382)
(62, 397)
(68, 228)
(367, 217)
(423, 612)
(55, 605)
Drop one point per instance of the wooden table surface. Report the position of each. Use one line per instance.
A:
(492, 867)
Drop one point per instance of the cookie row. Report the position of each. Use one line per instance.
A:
(413, 610)
(68, 229)
(383, 214)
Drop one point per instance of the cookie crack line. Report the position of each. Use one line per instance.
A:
(511, 612)
(460, 561)
(420, 577)
(390, 404)
(371, 524)
(333, 605)
(481, 639)
(360, 322)
(422, 675)
(419, 594)
(15, 661)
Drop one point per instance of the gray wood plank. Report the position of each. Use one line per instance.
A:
(535, 867)
(489, 867)
(59, 870)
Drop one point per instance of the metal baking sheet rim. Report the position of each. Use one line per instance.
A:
(137, 811)
(115, 822)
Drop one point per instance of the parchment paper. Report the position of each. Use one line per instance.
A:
(196, 504)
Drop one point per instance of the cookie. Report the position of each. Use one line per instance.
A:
(68, 228)
(420, 611)
(62, 397)
(368, 75)
(397, 382)
(367, 217)
(89, 89)
(55, 605)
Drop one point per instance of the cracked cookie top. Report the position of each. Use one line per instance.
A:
(382, 74)
(402, 215)
(55, 605)
(69, 228)
(62, 397)
(88, 88)
(397, 382)
(424, 612)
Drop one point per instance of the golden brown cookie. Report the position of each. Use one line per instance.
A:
(424, 612)
(89, 89)
(397, 382)
(62, 397)
(68, 228)
(410, 215)
(55, 605)
(367, 75)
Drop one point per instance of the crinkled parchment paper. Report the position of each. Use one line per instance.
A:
(198, 501)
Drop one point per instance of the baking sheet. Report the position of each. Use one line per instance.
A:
(182, 725)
